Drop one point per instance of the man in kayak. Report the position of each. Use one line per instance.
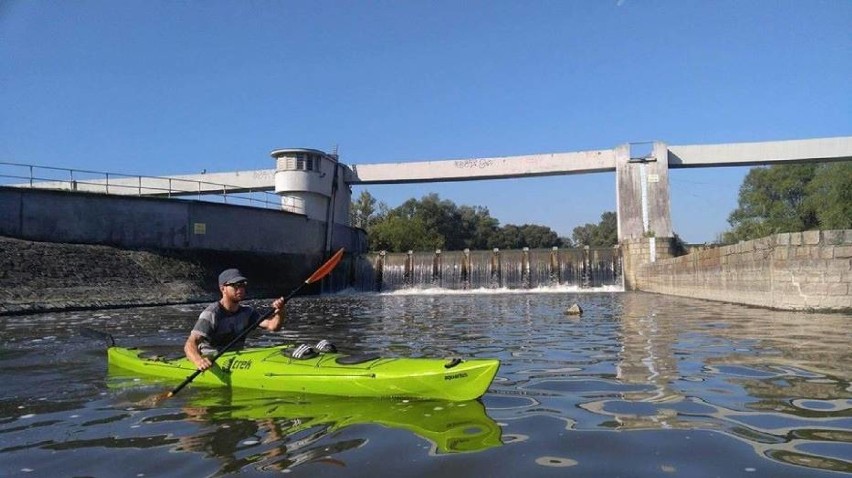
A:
(222, 321)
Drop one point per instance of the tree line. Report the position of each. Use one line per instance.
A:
(772, 200)
(791, 198)
(432, 223)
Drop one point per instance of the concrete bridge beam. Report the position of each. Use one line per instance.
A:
(322, 191)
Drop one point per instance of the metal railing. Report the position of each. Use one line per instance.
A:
(81, 180)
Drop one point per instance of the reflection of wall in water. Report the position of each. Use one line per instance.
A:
(647, 356)
(510, 269)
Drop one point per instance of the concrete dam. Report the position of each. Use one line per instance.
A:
(74, 243)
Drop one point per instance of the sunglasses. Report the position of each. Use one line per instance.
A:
(238, 285)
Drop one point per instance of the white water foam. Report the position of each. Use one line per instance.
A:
(560, 289)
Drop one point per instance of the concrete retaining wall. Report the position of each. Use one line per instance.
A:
(63, 250)
(793, 271)
(139, 222)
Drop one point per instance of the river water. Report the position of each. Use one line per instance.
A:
(640, 385)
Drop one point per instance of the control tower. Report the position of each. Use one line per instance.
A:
(312, 182)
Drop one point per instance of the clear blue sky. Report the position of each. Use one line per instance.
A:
(172, 87)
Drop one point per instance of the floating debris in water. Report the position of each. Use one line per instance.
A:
(514, 438)
(29, 415)
(555, 461)
(250, 442)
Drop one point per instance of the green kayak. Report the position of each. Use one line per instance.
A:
(274, 369)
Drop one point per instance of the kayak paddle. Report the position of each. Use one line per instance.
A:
(319, 274)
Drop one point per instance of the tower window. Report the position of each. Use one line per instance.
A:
(306, 162)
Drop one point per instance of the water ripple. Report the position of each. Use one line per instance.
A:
(640, 384)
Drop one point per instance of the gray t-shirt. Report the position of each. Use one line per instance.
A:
(218, 327)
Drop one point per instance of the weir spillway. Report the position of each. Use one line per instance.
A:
(490, 269)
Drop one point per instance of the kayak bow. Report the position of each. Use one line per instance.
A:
(273, 369)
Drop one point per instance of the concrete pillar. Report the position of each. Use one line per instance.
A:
(408, 271)
(379, 267)
(642, 195)
(465, 270)
(496, 270)
(642, 191)
(437, 269)
(555, 269)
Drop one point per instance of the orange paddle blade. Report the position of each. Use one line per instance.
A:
(326, 268)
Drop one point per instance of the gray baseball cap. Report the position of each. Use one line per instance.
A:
(231, 276)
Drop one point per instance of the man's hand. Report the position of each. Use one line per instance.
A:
(202, 363)
(278, 304)
(273, 323)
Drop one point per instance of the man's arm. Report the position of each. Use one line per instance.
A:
(193, 353)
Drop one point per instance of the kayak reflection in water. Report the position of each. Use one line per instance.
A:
(281, 431)
(264, 444)
(224, 320)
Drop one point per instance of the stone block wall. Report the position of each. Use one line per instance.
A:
(809, 270)
(638, 252)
